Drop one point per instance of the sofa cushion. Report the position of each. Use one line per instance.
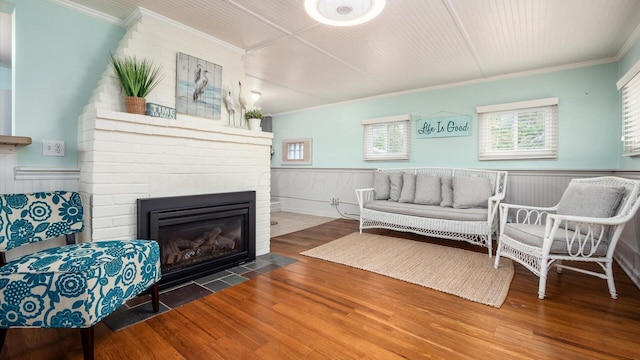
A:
(381, 185)
(446, 191)
(428, 211)
(533, 235)
(427, 190)
(395, 188)
(470, 192)
(408, 191)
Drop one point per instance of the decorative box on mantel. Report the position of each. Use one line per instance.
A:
(124, 157)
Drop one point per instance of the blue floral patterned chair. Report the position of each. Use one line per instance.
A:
(72, 286)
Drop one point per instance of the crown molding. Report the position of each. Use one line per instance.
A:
(140, 11)
(90, 12)
(136, 15)
(635, 35)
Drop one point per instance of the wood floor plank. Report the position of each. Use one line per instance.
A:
(316, 309)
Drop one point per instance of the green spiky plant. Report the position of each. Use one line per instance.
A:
(138, 77)
(253, 114)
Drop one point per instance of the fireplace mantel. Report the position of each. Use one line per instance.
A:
(183, 126)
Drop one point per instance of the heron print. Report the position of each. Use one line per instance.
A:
(198, 87)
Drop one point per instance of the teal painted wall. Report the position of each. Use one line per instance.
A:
(5, 78)
(60, 55)
(631, 58)
(589, 122)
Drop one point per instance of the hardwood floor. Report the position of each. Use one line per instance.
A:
(320, 310)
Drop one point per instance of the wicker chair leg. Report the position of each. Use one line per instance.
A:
(608, 269)
(87, 342)
(542, 285)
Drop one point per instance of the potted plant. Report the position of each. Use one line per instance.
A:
(254, 117)
(138, 78)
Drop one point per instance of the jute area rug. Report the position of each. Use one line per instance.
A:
(469, 275)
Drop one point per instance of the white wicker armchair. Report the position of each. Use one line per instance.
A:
(584, 226)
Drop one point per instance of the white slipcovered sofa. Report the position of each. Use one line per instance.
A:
(457, 204)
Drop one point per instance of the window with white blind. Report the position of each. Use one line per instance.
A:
(519, 130)
(630, 86)
(387, 138)
(296, 151)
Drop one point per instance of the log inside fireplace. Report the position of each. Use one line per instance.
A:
(199, 235)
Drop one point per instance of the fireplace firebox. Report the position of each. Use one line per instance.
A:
(199, 235)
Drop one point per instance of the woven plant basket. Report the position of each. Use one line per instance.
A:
(135, 105)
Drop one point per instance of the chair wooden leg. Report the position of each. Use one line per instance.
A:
(87, 342)
(3, 337)
(155, 298)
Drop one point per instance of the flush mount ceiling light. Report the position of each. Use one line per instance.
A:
(255, 95)
(343, 12)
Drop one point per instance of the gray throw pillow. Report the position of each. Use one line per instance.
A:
(590, 200)
(396, 186)
(381, 185)
(446, 191)
(471, 192)
(427, 190)
(408, 188)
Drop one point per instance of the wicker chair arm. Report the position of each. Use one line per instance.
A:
(493, 204)
(538, 208)
(364, 195)
(616, 220)
(583, 235)
(525, 214)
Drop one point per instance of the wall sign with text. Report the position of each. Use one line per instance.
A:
(444, 126)
(160, 111)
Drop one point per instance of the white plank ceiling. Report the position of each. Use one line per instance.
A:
(297, 63)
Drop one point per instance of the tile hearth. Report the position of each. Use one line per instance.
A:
(139, 309)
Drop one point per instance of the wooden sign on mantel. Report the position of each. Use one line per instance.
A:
(160, 111)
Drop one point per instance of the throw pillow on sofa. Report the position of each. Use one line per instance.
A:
(381, 185)
(395, 180)
(427, 190)
(471, 192)
(446, 191)
(408, 191)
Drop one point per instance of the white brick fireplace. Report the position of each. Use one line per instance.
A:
(124, 157)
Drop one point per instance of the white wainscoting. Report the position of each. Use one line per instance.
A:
(309, 191)
(14, 179)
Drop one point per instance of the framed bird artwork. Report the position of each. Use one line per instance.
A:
(198, 87)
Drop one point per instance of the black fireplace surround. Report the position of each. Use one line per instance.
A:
(199, 234)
